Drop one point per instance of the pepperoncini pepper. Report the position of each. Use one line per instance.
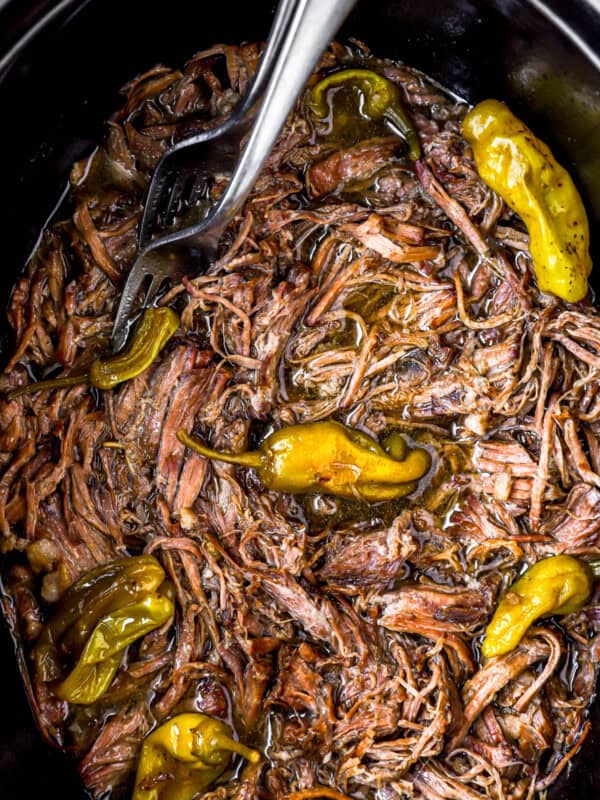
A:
(327, 457)
(556, 585)
(184, 756)
(98, 617)
(154, 331)
(380, 100)
(101, 656)
(523, 171)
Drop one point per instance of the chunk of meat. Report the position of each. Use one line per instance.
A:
(310, 612)
(431, 610)
(370, 558)
(577, 527)
(373, 234)
(490, 679)
(357, 163)
(114, 751)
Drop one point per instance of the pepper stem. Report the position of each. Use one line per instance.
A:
(252, 459)
(403, 126)
(221, 741)
(53, 383)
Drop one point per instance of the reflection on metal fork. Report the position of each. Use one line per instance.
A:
(301, 31)
(203, 155)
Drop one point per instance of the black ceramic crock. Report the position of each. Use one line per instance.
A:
(61, 66)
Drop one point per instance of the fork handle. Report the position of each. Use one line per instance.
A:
(308, 32)
(284, 15)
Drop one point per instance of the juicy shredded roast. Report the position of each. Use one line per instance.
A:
(338, 638)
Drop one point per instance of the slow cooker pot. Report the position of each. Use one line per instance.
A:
(61, 66)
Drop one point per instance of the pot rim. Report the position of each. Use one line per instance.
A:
(577, 20)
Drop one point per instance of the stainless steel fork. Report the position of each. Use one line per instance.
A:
(301, 31)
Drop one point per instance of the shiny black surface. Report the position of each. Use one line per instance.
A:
(56, 91)
(29, 768)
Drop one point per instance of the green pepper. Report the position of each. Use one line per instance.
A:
(120, 584)
(184, 756)
(102, 653)
(380, 100)
(154, 331)
(556, 585)
(326, 457)
(98, 592)
(87, 683)
(98, 617)
(523, 171)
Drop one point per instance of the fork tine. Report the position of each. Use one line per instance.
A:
(154, 288)
(152, 205)
(172, 205)
(196, 189)
(134, 283)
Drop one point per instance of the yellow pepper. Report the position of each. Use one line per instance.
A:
(380, 100)
(154, 331)
(99, 616)
(555, 585)
(327, 457)
(184, 756)
(523, 171)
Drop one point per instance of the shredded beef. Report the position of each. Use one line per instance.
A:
(340, 639)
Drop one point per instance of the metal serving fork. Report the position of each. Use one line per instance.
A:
(301, 31)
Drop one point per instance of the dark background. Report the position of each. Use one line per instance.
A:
(57, 90)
